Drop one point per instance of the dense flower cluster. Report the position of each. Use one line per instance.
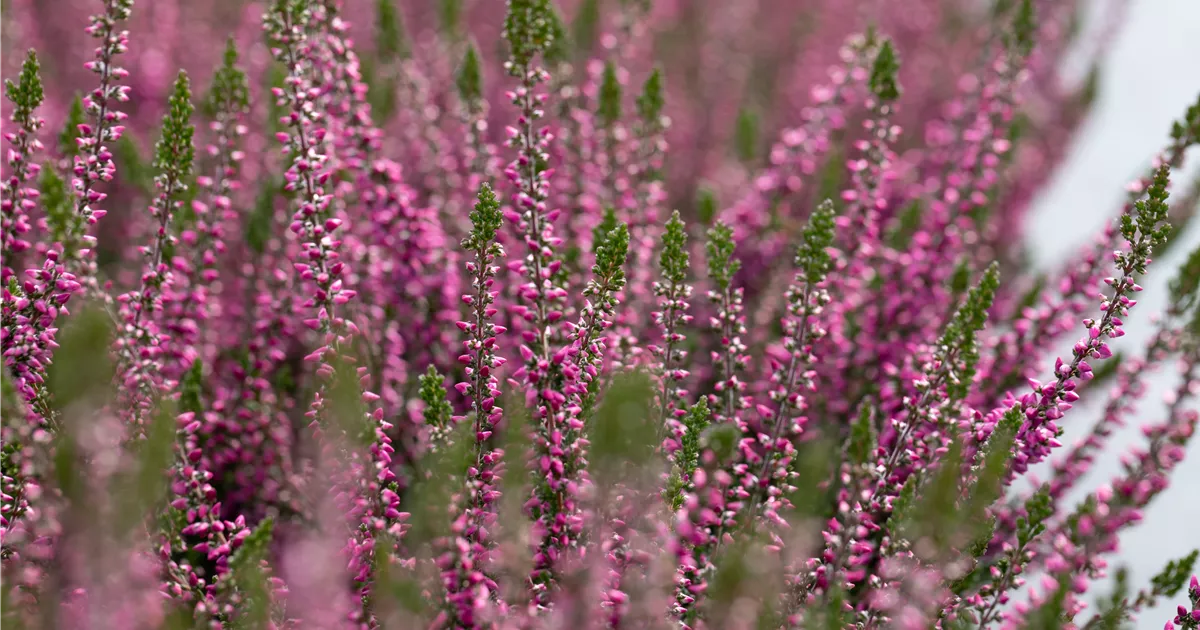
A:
(256, 413)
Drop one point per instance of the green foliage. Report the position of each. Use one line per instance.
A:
(831, 179)
(528, 27)
(1184, 285)
(812, 256)
(808, 491)
(959, 339)
(66, 226)
(132, 166)
(1038, 509)
(558, 51)
(438, 411)
(26, 94)
(611, 255)
(706, 205)
(345, 413)
(608, 111)
(904, 505)
(275, 77)
(450, 17)
(401, 589)
(1113, 611)
(607, 224)
(391, 42)
(9, 400)
(262, 215)
(721, 439)
(960, 280)
(936, 516)
(722, 266)
(586, 27)
(246, 575)
(1146, 227)
(1187, 129)
(862, 436)
(1030, 297)
(469, 79)
(1024, 27)
(230, 90)
(1174, 576)
(1107, 369)
(622, 433)
(906, 225)
(1086, 96)
(381, 89)
(486, 219)
(70, 130)
(191, 386)
(82, 367)
(651, 101)
(174, 153)
(884, 73)
(993, 461)
(142, 493)
(428, 500)
(687, 458)
(674, 257)
(746, 134)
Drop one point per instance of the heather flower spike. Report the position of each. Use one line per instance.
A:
(722, 267)
(467, 583)
(93, 164)
(673, 291)
(687, 458)
(141, 344)
(18, 196)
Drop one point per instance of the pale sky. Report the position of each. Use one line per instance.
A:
(1149, 78)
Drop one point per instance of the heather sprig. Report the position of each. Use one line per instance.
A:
(142, 344)
(722, 267)
(793, 383)
(374, 507)
(437, 413)
(67, 138)
(17, 197)
(1142, 230)
(673, 291)
(557, 509)
(947, 379)
(190, 303)
(468, 586)
(687, 458)
(526, 29)
(93, 163)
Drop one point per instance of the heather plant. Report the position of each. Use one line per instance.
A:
(396, 326)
